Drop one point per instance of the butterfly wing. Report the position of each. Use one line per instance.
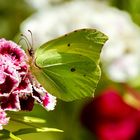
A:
(68, 67)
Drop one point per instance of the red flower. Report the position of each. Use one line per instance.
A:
(110, 118)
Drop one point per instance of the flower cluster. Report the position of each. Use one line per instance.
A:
(18, 88)
(110, 118)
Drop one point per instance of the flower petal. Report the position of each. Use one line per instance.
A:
(9, 48)
(3, 119)
(27, 104)
(10, 102)
(49, 101)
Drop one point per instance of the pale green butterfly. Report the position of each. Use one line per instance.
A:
(68, 67)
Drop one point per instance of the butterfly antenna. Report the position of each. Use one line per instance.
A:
(27, 41)
(23, 39)
(31, 51)
(31, 38)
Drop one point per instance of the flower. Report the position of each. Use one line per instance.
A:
(37, 4)
(110, 118)
(18, 88)
(3, 119)
(39, 93)
(120, 55)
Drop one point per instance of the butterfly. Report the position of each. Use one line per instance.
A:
(68, 66)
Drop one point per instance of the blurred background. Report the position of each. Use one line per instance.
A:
(91, 119)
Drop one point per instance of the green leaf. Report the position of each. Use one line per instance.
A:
(25, 126)
(68, 67)
(24, 131)
(35, 130)
(14, 137)
(5, 134)
(25, 120)
(46, 129)
(22, 123)
(29, 119)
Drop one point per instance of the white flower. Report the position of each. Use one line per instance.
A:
(54, 21)
(120, 56)
(38, 4)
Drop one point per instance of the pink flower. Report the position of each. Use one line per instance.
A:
(47, 100)
(18, 88)
(3, 119)
(110, 118)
